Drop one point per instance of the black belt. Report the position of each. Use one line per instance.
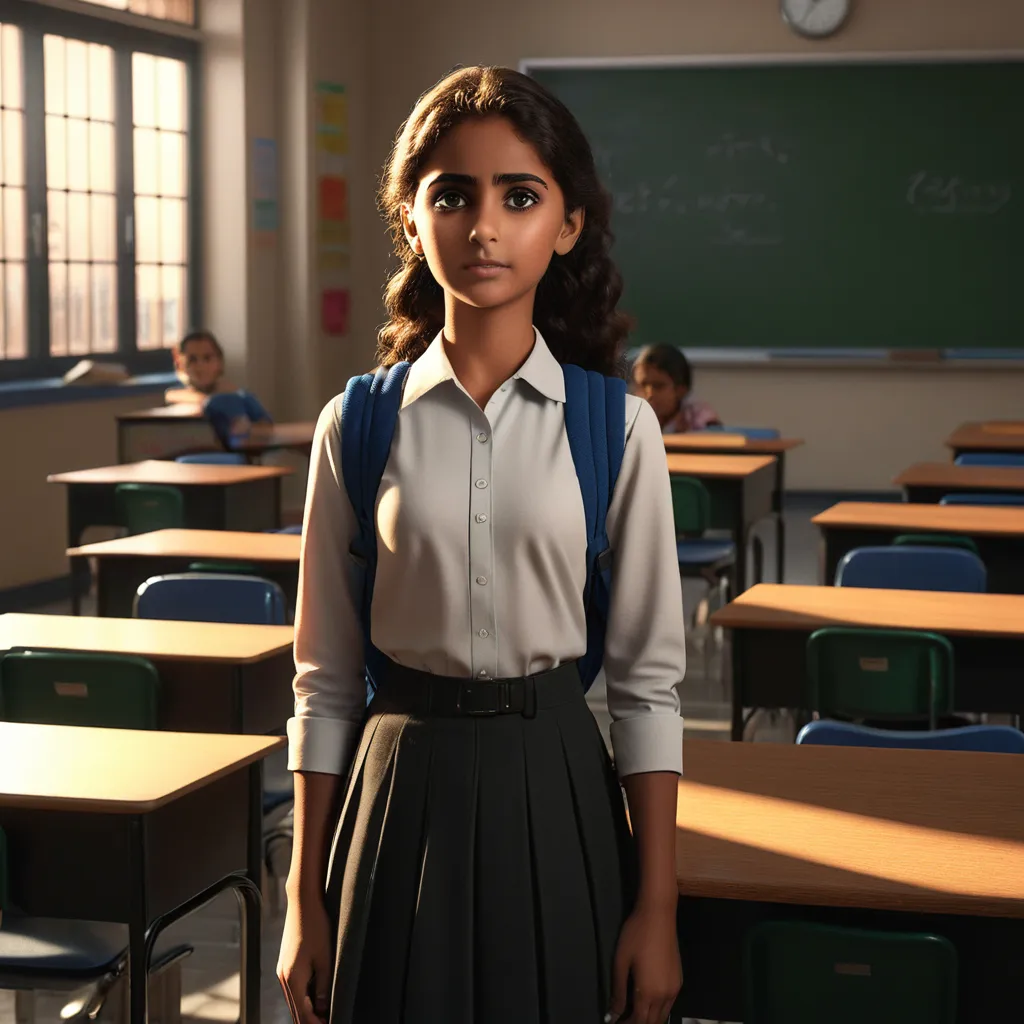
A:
(424, 693)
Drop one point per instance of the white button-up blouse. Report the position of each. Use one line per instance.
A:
(481, 567)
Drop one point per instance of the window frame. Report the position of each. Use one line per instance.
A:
(36, 20)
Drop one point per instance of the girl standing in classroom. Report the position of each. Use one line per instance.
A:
(460, 867)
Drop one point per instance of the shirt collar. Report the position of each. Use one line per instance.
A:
(541, 371)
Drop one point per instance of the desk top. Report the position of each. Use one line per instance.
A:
(115, 771)
(946, 474)
(994, 436)
(786, 606)
(729, 467)
(156, 471)
(826, 826)
(988, 520)
(200, 544)
(149, 638)
(715, 441)
(183, 411)
(284, 435)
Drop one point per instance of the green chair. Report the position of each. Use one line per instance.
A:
(797, 972)
(883, 675)
(708, 558)
(72, 688)
(66, 688)
(936, 540)
(142, 508)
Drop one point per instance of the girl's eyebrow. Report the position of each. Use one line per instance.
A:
(498, 179)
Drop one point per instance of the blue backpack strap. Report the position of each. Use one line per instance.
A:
(369, 415)
(595, 424)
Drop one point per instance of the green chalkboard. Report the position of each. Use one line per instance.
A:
(838, 205)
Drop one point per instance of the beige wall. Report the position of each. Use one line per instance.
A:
(861, 427)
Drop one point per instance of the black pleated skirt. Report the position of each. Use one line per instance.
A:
(482, 868)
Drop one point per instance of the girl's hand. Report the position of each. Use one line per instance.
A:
(305, 964)
(648, 949)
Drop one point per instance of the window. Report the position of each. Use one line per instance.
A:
(95, 172)
(168, 10)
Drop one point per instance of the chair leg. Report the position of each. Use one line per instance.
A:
(24, 1006)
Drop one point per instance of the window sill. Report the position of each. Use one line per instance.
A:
(52, 390)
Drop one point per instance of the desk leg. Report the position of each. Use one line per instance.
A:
(138, 947)
(737, 687)
(780, 522)
(249, 901)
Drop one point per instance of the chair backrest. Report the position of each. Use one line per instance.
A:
(992, 498)
(142, 508)
(110, 691)
(295, 528)
(990, 739)
(4, 894)
(799, 972)
(936, 540)
(879, 673)
(913, 568)
(212, 459)
(990, 459)
(691, 506)
(211, 597)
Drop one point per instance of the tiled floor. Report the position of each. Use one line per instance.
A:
(210, 975)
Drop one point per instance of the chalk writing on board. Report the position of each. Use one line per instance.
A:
(644, 199)
(732, 234)
(951, 194)
(731, 146)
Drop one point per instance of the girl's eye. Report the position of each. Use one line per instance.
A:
(449, 201)
(522, 199)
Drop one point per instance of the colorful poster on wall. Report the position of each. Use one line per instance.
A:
(266, 216)
(331, 118)
(334, 311)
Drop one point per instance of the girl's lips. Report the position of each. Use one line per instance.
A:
(486, 269)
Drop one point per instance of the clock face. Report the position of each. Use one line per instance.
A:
(815, 18)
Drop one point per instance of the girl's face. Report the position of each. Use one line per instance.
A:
(488, 215)
(659, 389)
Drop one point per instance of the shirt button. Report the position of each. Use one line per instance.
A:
(482, 674)
(481, 517)
(481, 437)
(482, 580)
(484, 634)
(481, 484)
(504, 387)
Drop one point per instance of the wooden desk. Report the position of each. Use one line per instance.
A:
(122, 565)
(139, 828)
(292, 436)
(213, 677)
(994, 436)
(887, 839)
(216, 497)
(771, 623)
(714, 442)
(929, 481)
(741, 488)
(998, 533)
(163, 433)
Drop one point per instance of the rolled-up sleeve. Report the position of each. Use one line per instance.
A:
(645, 647)
(330, 691)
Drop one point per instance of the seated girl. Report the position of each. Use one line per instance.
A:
(662, 375)
(199, 362)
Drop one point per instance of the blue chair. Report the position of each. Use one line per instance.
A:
(211, 597)
(212, 459)
(294, 529)
(215, 597)
(983, 499)
(913, 568)
(990, 459)
(991, 739)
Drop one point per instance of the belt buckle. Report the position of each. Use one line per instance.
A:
(467, 688)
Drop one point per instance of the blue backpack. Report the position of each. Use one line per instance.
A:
(595, 422)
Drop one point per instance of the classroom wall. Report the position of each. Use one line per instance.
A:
(862, 426)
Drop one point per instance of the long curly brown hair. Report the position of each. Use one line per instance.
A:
(575, 305)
